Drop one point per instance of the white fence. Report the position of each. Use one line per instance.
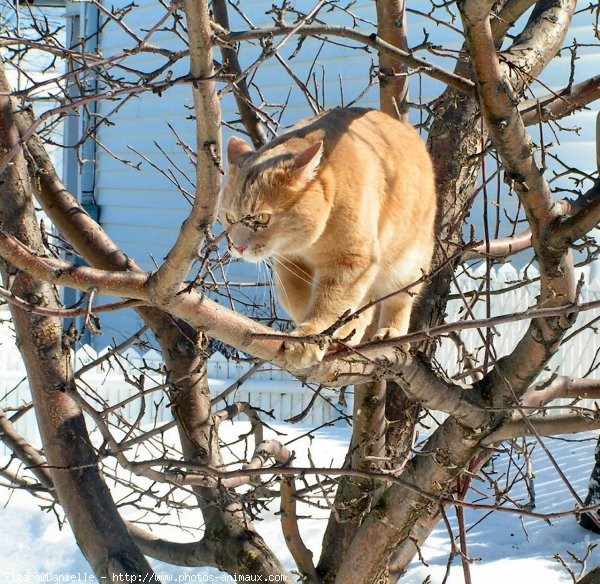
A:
(269, 389)
(577, 358)
(273, 390)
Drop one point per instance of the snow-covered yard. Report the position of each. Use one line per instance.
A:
(505, 545)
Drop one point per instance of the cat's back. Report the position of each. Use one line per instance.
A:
(361, 140)
(350, 126)
(371, 137)
(379, 172)
(368, 157)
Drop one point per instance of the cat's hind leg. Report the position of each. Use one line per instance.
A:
(400, 288)
(394, 318)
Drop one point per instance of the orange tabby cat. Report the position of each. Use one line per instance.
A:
(344, 206)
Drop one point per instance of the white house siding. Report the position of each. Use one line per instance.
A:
(36, 66)
(142, 210)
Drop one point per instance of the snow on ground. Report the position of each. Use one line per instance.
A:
(507, 545)
(523, 548)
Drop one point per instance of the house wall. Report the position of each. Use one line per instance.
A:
(35, 66)
(142, 209)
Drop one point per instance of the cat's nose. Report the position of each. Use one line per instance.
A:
(240, 248)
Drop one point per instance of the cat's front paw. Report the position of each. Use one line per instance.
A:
(391, 333)
(304, 354)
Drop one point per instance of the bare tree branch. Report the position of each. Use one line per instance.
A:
(448, 451)
(393, 73)
(541, 38)
(549, 425)
(209, 167)
(507, 130)
(560, 104)
(501, 247)
(24, 451)
(127, 284)
(585, 217)
(415, 378)
(68, 449)
(400, 488)
(250, 119)
(507, 17)
(375, 42)
(182, 353)
(66, 312)
(289, 526)
(561, 387)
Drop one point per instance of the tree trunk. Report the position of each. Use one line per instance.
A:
(593, 495)
(393, 73)
(592, 577)
(102, 537)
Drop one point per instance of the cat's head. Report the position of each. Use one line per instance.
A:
(268, 203)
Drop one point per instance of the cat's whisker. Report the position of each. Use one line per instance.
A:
(286, 267)
(262, 268)
(275, 275)
(295, 265)
(295, 269)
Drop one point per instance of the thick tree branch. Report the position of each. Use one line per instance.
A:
(561, 388)
(415, 377)
(65, 211)
(507, 17)
(560, 104)
(506, 127)
(264, 451)
(500, 248)
(376, 540)
(381, 359)
(209, 166)
(370, 40)
(103, 538)
(499, 104)
(541, 39)
(393, 73)
(183, 360)
(193, 554)
(55, 271)
(510, 245)
(354, 495)
(585, 217)
(289, 526)
(448, 451)
(254, 126)
(66, 312)
(32, 459)
(550, 425)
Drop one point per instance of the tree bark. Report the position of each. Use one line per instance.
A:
(393, 74)
(592, 577)
(355, 495)
(102, 537)
(184, 355)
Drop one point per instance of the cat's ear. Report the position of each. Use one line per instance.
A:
(307, 162)
(237, 150)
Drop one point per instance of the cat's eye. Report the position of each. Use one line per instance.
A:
(229, 218)
(262, 218)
